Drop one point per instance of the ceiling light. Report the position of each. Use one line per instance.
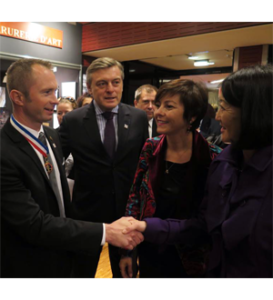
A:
(217, 81)
(193, 57)
(202, 63)
(131, 71)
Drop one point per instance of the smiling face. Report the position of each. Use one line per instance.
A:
(169, 116)
(230, 119)
(38, 107)
(62, 109)
(106, 87)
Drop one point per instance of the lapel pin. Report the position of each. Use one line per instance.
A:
(126, 126)
(53, 144)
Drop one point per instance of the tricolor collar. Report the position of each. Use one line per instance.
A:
(31, 138)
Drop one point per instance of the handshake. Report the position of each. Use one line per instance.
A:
(125, 232)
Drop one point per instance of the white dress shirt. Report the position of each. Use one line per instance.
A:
(150, 128)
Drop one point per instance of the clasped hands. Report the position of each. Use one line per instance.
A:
(125, 232)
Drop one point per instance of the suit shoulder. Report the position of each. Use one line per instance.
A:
(133, 110)
(50, 130)
(152, 143)
(77, 113)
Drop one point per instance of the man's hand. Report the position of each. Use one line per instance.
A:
(116, 237)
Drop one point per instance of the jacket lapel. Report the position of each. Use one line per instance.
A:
(53, 146)
(24, 145)
(156, 164)
(59, 158)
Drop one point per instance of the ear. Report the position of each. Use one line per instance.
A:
(89, 88)
(17, 97)
(135, 103)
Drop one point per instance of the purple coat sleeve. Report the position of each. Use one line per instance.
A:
(171, 231)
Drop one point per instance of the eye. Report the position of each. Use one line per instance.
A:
(101, 84)
(157, 105)
(222, 108)
(116, 82)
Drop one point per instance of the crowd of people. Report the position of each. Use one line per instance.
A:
(147, 180)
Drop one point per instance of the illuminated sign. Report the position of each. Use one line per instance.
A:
(32, 32)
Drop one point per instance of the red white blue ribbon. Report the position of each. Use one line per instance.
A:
(36, 143)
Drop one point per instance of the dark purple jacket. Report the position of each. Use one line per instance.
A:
(237, 211)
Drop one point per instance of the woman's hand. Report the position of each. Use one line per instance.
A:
(135, 225)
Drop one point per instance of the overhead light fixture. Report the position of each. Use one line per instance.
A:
(54, 69)
(203, 63)
(132, 70)
(193, 57)
(217, 81)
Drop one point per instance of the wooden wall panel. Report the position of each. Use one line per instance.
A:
(98, 36)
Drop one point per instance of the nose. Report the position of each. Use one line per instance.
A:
(150, 105)
(110, 88)
(217, 117)
(54, 100)
(158, 112)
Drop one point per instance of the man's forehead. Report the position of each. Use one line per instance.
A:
(150, 94)
(113, 71)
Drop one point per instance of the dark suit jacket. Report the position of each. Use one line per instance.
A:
(35, 241)
(102, 185)
(154, 129)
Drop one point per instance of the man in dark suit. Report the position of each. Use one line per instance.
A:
(37, 237)
(104, 162)
(145, 100)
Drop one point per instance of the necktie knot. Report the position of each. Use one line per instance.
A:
(42, 138)
(108, 115)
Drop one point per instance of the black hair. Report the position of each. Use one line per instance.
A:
(250, 89)
(193, 95)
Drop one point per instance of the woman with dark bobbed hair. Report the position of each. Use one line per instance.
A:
(170, 179)
(84, 99)
(237, 208)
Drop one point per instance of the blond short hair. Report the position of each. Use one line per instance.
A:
(19, 74)
(102, 63)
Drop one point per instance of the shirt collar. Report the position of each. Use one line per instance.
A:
(32, 131)
(151, 122)
(99, 111)
(259, 161)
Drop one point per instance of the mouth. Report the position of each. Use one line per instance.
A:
(110, 98)
(50, 110)
(160, 122)
(223, 128)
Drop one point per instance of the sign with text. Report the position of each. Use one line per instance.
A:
(33, 32)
